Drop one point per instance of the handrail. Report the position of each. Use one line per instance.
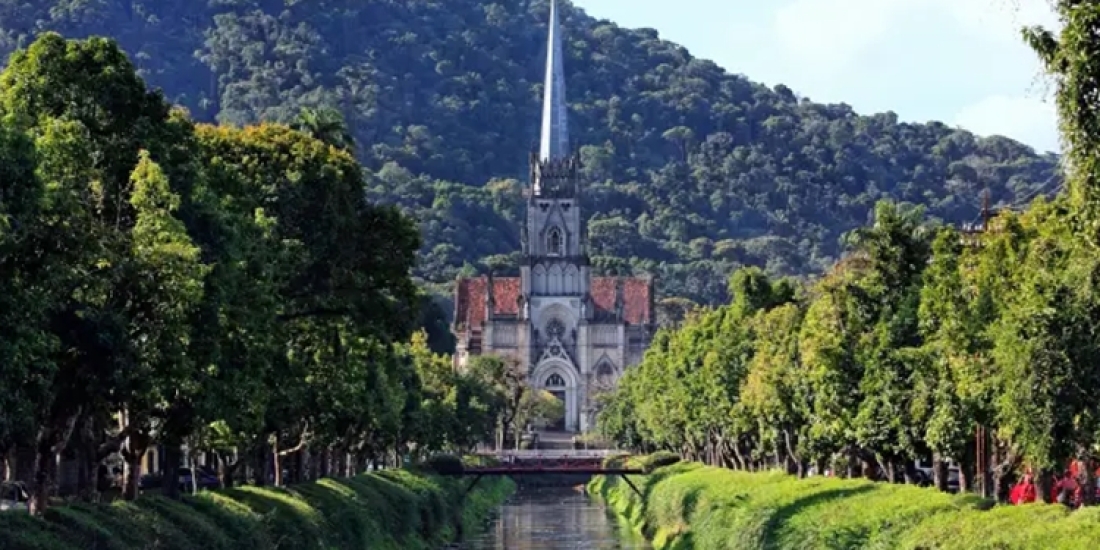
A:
(552, 453)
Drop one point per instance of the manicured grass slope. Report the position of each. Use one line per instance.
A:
(388, 510)
(694, 506)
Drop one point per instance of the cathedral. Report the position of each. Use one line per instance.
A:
(572, 333)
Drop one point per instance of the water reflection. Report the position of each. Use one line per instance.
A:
(554, 519)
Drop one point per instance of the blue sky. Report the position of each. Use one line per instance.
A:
(958, 61)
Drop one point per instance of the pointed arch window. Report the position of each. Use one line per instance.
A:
(605, 375)
(555, 381)
(555, 244)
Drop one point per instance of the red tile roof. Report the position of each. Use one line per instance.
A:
(636, 298)
(470, 297)
(636, 301)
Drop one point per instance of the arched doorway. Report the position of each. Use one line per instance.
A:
(559, 377)
(555, 384)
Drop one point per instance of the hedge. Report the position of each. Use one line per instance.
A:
(396, 509)
(688, 505)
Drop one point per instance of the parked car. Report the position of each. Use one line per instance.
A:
(925, 474)
(13, 496)
(206, 479)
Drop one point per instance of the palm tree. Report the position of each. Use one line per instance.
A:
(325, 124)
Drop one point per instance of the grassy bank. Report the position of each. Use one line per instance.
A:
(693, 506)
(389, 510)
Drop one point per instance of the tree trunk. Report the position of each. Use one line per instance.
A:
(966, 469)
(1086, 476)
(852, 464)
(132, 473)
(227, 471)
(45, 470)
(742, 464)
(6, 457)
(85, 468)
(790, 445)
(984, 459)
(302, 466)
(193, 463)
(173, 455)
(261, 469)
(1044, 484)
(49, 443)
(133, 450)
(324, 465)
(276, 462)
(939, 473)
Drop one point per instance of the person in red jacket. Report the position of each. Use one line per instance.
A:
(1024, 491)
(1066, 490)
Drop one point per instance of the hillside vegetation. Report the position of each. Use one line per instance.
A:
(694, 506)
(692, 170)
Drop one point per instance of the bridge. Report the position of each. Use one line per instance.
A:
(552, 454)
(549, 462)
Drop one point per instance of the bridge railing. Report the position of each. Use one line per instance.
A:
(531, 454)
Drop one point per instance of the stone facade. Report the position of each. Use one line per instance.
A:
(572, 333)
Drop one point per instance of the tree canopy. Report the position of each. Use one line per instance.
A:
(228, 290)
(922, 342)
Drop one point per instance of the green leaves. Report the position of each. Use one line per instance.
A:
(231, 288)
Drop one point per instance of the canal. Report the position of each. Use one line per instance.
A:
(553, 518)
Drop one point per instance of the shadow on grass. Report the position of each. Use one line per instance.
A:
(348, 517)
(200, 531)
(290, 520)
(783, 514)
(400, 511)
(691, 500)
(23, 531)
(235, 519)
(81, 530)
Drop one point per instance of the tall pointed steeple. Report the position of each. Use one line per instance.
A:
(555, 128)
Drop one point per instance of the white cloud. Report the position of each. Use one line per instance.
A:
(830, 34)
(960, 60)
(957, 61)
(1028, 120)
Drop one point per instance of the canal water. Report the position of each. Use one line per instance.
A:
(553, 518)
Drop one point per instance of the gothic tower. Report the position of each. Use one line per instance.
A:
(554, 273)
(573, 334)
(556, 262)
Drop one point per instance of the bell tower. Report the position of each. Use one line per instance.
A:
(554, 236)
(555, 273)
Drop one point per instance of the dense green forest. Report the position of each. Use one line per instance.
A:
(166, 284)
(692, 170)
(921, 343)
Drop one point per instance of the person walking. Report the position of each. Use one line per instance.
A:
(1024, 491)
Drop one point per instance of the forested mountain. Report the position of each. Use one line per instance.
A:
(693, 170)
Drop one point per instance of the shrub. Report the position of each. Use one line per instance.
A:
(658, 460)
(394, 509)
(445, 464)
(688, 505)
(616, 461)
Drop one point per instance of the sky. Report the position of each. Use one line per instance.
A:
(957, 61)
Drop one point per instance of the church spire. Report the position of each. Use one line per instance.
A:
(555, 128)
